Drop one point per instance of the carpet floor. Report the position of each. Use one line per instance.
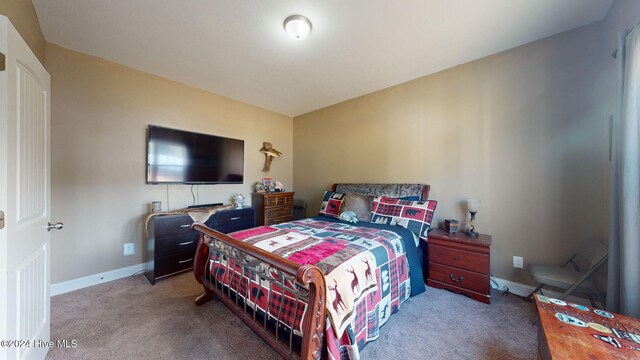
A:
(130, 319)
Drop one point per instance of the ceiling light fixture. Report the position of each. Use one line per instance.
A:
(297, 26)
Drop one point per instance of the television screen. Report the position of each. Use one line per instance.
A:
(176, 156)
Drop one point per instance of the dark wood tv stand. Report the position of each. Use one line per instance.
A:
(171, 244)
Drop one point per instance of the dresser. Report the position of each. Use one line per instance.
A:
(272, 208)
(171, 244)
(459, 263)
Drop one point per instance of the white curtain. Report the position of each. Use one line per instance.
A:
(623, 285)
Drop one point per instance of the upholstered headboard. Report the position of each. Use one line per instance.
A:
(391, 190)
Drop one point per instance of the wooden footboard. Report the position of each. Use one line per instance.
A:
(305, 282)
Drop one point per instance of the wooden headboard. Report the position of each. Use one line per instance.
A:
(391, 190)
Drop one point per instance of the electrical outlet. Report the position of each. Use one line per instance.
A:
(518, 262)
(129, 249)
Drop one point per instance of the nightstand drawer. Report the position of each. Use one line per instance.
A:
(460, 278)
(458, 258)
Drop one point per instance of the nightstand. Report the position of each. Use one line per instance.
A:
(459, 263)
(272, 208)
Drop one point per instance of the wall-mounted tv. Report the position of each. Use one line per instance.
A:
(183, 157)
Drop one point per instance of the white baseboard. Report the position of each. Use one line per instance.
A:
(524, 290)
(95, 279)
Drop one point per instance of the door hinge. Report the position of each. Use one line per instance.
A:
(2, 64)
(1, 220)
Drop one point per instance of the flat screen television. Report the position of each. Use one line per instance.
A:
(183, 157)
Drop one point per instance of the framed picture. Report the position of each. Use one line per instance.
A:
(267, 183)
(259, 188)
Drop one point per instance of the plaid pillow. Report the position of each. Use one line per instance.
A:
(413, 215)
(331, 204)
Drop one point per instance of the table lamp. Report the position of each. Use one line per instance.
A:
(472, 206)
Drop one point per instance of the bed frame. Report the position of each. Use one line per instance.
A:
(305, 282)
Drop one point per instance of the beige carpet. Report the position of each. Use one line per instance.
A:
(130, 319)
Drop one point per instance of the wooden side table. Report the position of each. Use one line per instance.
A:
(459, 263)
(272, 208)
(573, 331)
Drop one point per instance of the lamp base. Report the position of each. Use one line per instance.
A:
(472, 233)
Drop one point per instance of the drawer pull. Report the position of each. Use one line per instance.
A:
(185, 225)
(186, 243)
(453, 278)
(235, 218)
(184, 261)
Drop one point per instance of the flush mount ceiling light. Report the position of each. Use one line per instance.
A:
(297, 26)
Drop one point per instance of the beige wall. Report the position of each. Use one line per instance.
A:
(100, 111)
(24, 19)
(524, 131)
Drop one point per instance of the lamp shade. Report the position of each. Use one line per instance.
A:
(297, 26)
(473, 205)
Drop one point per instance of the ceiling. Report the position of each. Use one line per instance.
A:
(239, 49)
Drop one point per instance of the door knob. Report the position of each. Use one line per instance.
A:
(56, 226)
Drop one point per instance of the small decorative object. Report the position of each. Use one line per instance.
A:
(451, 226)
(472, 206)
(156, 206)
(268, 184)
(279, 186)
(238, 200)
(258, 187)
(269, 154)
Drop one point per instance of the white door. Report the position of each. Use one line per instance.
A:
(25, 199)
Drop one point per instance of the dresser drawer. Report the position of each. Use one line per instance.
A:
(225, 218)
(278, 220)
(279, 212)
(460, 278)
(278, 200)
(177, 244)
(172, 264)
(459, 258)
(166, 226)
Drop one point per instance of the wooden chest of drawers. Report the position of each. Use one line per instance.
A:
(460, 263)
(171, 244)
(272, 208)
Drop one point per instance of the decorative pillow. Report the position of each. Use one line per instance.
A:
(360, 204)
(331, 203)
(413, 215)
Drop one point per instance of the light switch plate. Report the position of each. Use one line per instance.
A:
(518, 262)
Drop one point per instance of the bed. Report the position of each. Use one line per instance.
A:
(321, 287)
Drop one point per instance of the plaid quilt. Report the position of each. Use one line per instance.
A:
(366, 271)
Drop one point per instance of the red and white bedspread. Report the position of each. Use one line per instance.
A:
(366, 271)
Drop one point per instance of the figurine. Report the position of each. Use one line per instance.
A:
(238, 200)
